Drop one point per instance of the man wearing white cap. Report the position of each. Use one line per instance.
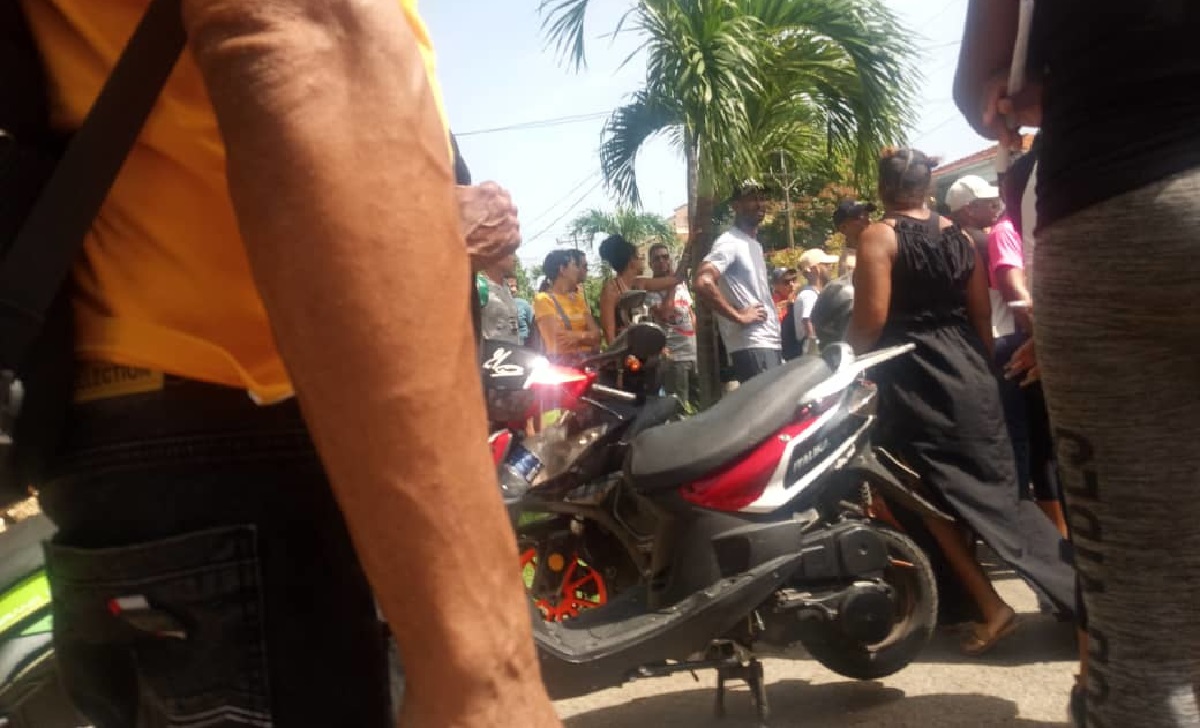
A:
(814, 266)
(975, 205)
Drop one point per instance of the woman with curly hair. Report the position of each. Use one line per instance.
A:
(628, 264)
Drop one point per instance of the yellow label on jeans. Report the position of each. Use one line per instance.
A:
(103, 381)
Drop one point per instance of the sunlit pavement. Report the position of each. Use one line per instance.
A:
(1023, 683)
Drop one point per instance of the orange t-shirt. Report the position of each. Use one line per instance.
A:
(164, 282)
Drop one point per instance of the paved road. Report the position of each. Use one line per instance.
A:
(1022, 684)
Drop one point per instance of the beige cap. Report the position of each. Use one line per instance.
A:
(813, 257)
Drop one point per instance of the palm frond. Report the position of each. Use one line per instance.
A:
(563, 24)
(705, 57)
(625, 132)
(637, 227)
(855, 60)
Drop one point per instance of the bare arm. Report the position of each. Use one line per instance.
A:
(334, 225)
(552, 329)
(656, 285)
(1011, 282)
(979, 304)
(591, 337)
(707, 289)
(872, 286)
(984, 58)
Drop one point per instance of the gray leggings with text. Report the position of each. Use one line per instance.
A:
(1117, 296)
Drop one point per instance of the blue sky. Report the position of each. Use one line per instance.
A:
(496, 71)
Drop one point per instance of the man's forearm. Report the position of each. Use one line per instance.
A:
(1011, 283)
(708, 290)
(987, 45)
(340, 174)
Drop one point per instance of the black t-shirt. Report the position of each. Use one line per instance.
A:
(1122, 97)
(980, 239)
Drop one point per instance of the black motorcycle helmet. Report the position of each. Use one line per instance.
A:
(831, 313)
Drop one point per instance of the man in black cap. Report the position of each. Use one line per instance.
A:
(733, 280)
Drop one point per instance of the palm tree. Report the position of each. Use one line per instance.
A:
(637, 227)
(733, 83)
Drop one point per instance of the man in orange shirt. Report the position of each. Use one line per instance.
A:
(783, 289)
(294, 173)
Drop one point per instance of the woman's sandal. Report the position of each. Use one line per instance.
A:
(977, 644)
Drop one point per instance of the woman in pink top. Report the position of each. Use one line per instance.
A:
(1024, 407)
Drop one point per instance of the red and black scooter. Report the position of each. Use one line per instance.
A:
(653, 544)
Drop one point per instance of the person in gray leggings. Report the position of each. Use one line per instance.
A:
(1117, 296)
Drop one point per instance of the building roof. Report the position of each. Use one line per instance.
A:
(978, 158)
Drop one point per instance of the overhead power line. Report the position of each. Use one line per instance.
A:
(589, 177)
(940, 46)
(565, 212)
(535, 124)
(939, 13)
(939, 125)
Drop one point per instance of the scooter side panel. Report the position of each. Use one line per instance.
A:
(584, 655)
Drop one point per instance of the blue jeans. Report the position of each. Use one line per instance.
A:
(681, 380)
(202, 573)
(1016, 415)
(1028, 427)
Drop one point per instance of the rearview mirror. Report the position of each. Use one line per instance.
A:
(630, 300)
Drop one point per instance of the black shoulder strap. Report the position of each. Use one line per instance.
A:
(41, 256)
(561, 313)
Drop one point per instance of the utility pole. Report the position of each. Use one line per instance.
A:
(787, 183)
(787, 205)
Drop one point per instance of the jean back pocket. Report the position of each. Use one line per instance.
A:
(185, 613)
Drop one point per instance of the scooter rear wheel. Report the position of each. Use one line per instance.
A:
(915, 618)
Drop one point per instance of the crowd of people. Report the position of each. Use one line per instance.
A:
(965, 410)
(293, 461)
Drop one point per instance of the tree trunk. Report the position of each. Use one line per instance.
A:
(701, 203)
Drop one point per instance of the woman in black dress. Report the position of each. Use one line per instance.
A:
(919, 281)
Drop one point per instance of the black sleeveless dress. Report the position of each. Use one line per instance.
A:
(940, 411)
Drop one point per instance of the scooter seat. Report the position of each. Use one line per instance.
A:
(654, 412)
(676, 453)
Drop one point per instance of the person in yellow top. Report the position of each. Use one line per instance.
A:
(568, 329)
(207, 566)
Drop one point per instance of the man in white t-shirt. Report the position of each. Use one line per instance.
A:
(674, 311)
(815, 267)
(733, 280)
